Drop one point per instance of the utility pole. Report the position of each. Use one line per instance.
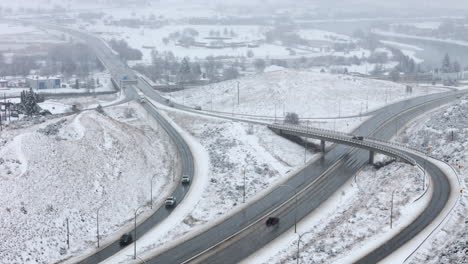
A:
(305, 151)
(151, 188)
(391, 211)
(243, 200)
(275, 113)
(68, 235)
(238, 96)
(135, 234)
(339, 108)
(295, 209)
(367, 101)
(97, 225)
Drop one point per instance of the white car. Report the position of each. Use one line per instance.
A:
(170, 201)
(185, 179)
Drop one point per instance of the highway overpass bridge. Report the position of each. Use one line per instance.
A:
(372, 145)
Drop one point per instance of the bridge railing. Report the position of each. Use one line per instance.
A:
(379, 145)
(309, 129)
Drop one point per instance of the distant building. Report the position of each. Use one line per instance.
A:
(39, 83)
(3, 83)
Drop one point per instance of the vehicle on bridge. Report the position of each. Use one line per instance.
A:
(125, 239)
(358, 137)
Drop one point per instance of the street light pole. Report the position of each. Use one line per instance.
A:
(295, 209)
(238, 96)
(424, 175)
(243, 200)
(299, 241)
(135, 234)
(391, 211)
(97, 224)
(339, 108)
(152, 178)
(275, 113)
(173, 174)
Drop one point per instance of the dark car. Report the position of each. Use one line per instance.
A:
(126, 239)
(358, 137)
(271, 221)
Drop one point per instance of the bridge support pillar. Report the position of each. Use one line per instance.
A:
(322, 145)
(371, 157)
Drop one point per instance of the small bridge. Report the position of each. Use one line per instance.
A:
(372, 145)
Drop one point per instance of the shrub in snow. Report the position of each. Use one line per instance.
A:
(100, 109)
(129, 113)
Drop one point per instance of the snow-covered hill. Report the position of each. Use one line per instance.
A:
(449, 244)
(68, 168)
(308, 94)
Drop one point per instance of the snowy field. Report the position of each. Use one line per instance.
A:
(449, 244)
(47, 176)
(14, 36)
(354, 219)
(145, 39)
(316, 34)
(232, 147)
(308, 94)
(422, 25)
(64, 105)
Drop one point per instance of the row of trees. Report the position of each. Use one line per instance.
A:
(19, 65)
(165, 66)
(449, 66)
(70, 59)
(126, 53)
(67, 59)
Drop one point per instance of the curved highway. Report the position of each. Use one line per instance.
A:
(245, 232)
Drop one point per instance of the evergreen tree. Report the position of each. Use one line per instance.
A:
(184, 71)
(446, 64)
(395, 74)
(30, 103)
(456, 67)
(196, 71)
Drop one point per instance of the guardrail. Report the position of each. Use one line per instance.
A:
(378, 146)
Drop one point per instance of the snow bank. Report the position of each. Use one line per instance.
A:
(67, 168)
(448, 242)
